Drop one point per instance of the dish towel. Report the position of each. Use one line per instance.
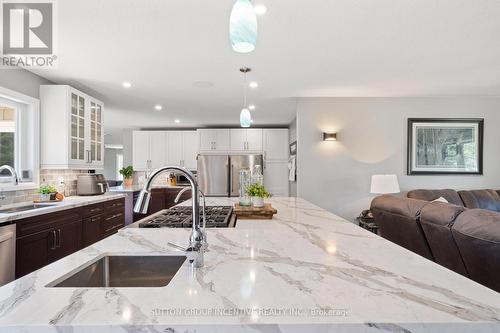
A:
(292, 168)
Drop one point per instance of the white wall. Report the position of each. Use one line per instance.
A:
(22, 81)
(372, 140)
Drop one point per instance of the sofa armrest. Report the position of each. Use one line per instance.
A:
(398, 205)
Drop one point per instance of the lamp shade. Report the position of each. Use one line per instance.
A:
(384, 184)
(245, 118)
(243, 27)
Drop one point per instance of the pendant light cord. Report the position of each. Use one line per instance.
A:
(245, 91)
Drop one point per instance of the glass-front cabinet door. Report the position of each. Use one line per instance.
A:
(96, 135)
(77, 146)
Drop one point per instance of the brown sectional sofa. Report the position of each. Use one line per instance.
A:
(462, 235)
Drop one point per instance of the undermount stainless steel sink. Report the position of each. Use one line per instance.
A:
(123, 271)
(24, 208)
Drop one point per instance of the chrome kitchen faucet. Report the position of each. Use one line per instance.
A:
(195, 251)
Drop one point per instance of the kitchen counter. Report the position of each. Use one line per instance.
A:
(52, 207)
(137, 188)
(306, 270)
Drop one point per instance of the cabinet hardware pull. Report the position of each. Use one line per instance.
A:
(54, 235)
(59, 238)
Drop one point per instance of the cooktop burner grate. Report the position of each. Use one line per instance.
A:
(180, 217)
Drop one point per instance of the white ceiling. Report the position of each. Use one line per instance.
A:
(305, 48)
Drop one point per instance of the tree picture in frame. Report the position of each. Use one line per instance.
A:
(445, 146)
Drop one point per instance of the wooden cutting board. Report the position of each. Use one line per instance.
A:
(254, 213)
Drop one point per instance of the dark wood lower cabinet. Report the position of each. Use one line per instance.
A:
(161, 198)
(46, 238)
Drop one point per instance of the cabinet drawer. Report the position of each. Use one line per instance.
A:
(43, 222)
(114, 205)
(93, 210)
(112, 222)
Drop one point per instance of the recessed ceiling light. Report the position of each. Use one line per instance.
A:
(158, 107)
(253, 85)
(127, 85)
(260, 9)
(251, 107)
(177, 121)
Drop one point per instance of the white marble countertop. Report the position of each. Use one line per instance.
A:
(307, 270)
(52, 207)
(137, 188)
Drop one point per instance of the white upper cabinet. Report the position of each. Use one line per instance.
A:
(190, 148)
(140, 150)
(276, 144)
(246, 140)
(157, 152)
(72, 123)
(182, 148)
(214, 140)
(148, 150)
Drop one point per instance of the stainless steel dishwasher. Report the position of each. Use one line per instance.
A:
(7, 254)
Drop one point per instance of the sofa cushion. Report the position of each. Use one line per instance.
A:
(397, 218)
(483, 199)
(430, 195)
(436, 219)
(477, 234)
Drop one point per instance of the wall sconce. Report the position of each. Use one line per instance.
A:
(329, 136)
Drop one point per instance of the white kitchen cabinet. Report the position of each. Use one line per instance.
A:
(246, 140)
(214, 140)
(71, 123)
(157, 149)
(276, 155)
(190, 148)
(276, 178)
(148, 150)
(276, 147)
(182, 148)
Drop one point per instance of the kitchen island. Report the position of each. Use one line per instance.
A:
(306, 270)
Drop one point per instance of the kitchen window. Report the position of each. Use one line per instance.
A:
(19, 140)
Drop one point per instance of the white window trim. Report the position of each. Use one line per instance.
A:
(33, 106)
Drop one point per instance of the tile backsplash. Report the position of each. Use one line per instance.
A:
(47, 177)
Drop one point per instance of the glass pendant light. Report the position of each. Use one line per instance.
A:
(245, 115)
(243, 27)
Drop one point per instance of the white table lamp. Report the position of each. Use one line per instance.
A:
(384, 184)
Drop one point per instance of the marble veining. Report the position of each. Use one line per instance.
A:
(306, 270)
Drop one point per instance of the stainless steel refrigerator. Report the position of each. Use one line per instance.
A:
(218, 175)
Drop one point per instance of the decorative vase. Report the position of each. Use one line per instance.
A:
(258, 202)
(52, 196)
(128, 181)
(44, 197)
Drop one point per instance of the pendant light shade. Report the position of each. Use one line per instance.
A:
(243, 27)
(245, 118)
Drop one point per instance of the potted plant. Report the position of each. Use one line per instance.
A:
(127, 173)
(257, 192)
(47, 192)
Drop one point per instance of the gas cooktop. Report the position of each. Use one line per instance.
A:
(180, 217)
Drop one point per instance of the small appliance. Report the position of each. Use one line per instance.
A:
(91, 184)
